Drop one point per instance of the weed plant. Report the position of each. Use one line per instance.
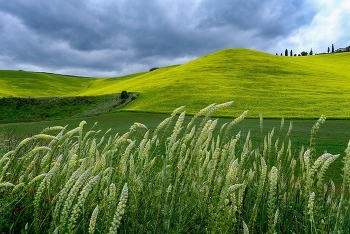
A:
(176, 179)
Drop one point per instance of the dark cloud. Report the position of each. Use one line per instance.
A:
(70, 21)
(119, 37)
(270, 18)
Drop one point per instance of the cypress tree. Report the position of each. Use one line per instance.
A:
(286, 52)
(291, 52)
(332, 48)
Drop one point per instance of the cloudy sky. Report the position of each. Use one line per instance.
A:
(104, 38)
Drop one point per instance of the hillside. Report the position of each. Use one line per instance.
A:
(16, 109)
(293, 87)
(37, 84)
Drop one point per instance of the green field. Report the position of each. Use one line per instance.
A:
(277, 86)
(138, 170)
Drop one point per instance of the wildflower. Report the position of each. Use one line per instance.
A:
(16, 211)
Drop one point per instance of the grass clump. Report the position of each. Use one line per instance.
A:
(178, 178)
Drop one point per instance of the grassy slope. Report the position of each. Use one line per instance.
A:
(37, 84)
(16, 109)
(293, 87)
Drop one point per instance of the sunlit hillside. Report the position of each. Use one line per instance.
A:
(296, 87)
(34, 84)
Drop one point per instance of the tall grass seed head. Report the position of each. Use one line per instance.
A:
(224, 105)
(93, 220)
(120, 210)
(310, 206)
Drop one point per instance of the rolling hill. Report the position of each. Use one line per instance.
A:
(292, 87)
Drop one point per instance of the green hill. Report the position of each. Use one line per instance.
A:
(293, 87)
(37, 84)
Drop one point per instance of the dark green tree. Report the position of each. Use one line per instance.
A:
(311, 52)
(328, 50)
(286, 52)
(304, 53)
(291, 52)
(332, 48)
(124, 95)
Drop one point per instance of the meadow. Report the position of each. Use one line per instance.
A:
(190, 176)
(277, 86)
(155, 166)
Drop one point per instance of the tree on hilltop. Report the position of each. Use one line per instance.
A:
(328, 50)
(311, 52)
(304, 53)
(291, 52)
(286, 52)
(332, 48)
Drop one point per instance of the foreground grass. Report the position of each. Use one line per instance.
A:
(333, 136)
(191, 180)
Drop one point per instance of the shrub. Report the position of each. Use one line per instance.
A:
(191, 179)
(153, 68)
(124, 95)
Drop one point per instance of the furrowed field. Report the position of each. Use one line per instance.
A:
(145, 170)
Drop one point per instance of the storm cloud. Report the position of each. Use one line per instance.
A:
(112, 38)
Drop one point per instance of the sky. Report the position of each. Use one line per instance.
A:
(108, 38)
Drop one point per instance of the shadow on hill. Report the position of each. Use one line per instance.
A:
(16, 109)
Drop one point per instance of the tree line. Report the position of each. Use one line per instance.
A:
(303, 53)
